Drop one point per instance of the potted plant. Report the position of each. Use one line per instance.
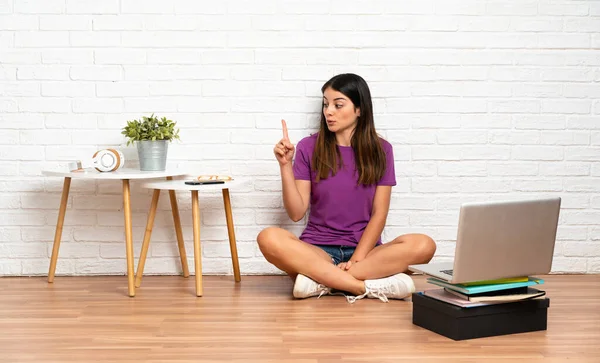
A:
(152, 136)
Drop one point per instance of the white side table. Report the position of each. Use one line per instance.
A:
(122, 174)
(172, 186)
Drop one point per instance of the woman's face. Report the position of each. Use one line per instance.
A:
(340, 113)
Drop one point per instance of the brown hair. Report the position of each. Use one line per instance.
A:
(368, 151)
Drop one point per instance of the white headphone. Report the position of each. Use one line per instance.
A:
(103, 160)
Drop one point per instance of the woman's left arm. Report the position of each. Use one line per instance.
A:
(381, 206)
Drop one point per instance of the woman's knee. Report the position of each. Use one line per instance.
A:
(269, 240)
(426, 247)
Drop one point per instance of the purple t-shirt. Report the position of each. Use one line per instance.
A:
(339, 208)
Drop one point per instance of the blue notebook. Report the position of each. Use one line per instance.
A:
(484, 288)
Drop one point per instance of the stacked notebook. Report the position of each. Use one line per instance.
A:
(484, 293)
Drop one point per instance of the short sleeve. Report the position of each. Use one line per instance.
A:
(302, 161)
(389, 177)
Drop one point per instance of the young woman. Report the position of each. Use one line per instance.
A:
(345, 173)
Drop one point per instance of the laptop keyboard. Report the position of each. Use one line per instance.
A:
(447, 272)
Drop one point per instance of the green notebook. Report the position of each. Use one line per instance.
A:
(484, 288)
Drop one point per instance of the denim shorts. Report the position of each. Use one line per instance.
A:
(338, 254)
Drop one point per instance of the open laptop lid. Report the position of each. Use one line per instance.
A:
(505, 239)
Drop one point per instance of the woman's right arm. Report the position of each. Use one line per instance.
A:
(296, 193)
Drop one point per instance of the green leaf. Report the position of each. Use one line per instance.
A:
(150, 128)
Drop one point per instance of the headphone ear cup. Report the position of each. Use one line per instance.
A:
(96, 160)
(119, 159)
(108, 160)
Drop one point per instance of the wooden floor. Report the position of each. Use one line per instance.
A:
(91, 319)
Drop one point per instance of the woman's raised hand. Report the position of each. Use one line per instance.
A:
(284, 150)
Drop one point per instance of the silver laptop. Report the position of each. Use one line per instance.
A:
(500, 240)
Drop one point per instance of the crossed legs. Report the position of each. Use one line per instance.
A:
(293, 256)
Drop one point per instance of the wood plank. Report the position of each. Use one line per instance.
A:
(82, 319)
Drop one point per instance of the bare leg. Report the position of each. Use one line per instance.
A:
(394, 257)
(288, 253)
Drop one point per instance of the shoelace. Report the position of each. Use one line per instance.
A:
(324, 290)
(378, 292)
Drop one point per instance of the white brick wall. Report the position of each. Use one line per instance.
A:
(482, 100)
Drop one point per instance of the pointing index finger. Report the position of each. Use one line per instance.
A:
(285, 130)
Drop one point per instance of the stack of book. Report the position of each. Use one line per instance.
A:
(482, 309)
(484, 293)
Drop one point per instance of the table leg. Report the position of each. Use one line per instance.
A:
(178, 232)
(128, 237)
(59, 228)
(147, 236)
(197, 254)
(230, 230)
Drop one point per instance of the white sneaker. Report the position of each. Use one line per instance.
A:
(397, 286)
(306, 287)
